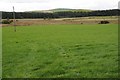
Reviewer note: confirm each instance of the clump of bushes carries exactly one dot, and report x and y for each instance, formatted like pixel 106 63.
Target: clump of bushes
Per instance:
pixel 7 21
pixel 104 22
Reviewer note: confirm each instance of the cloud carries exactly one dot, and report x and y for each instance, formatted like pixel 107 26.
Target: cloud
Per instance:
pixel 85 4
pixel 28 5
pixel 25 1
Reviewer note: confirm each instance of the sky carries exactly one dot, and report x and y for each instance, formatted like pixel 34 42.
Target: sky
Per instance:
pixel 31 5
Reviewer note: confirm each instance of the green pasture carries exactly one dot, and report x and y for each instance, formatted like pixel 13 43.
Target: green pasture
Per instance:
pixel 60 51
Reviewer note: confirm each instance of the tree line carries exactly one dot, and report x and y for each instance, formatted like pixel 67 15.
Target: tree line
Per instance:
pixel 64 14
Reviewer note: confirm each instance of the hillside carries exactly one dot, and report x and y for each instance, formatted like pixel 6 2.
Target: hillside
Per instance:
pixel 67 9
pixel 62 10
pixel 59 14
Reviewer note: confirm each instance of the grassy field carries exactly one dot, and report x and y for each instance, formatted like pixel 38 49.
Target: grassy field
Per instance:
pixel 52 51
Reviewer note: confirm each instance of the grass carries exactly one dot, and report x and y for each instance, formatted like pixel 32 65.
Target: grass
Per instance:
pixel 61 51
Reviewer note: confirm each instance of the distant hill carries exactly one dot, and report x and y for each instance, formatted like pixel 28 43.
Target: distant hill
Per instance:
pixel 62 10
pixel 60 13
pixel 67 9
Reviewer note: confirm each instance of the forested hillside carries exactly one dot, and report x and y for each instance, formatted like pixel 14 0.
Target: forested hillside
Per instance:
pixel 60 14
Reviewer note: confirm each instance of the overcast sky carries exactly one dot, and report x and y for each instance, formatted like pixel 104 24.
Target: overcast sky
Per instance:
pixel 29 5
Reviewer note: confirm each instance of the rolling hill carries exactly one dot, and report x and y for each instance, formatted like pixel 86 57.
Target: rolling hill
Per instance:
pixel 62 10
